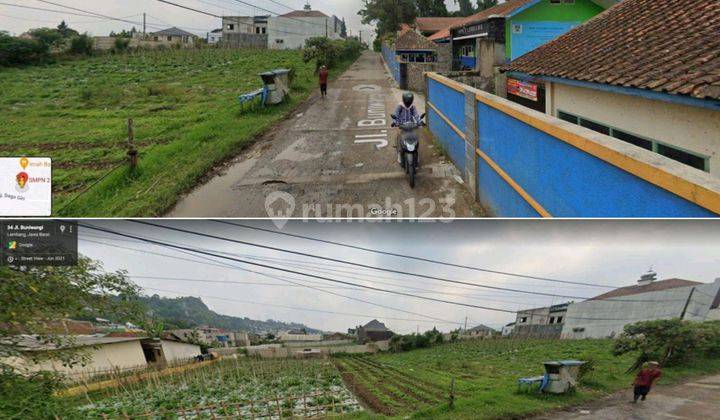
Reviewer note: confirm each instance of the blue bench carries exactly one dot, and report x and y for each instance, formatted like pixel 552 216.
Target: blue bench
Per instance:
pixel 250 96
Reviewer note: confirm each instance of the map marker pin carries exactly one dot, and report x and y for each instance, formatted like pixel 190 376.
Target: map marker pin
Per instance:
pixel 24 162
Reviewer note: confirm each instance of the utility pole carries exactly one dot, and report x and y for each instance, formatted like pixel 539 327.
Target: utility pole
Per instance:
pixel 361 37
pixel 465 323
pixel 144 24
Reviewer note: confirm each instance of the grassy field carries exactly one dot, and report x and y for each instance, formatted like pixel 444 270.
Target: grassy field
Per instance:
pixel 226 389
pixel 186 114
pixel 418 382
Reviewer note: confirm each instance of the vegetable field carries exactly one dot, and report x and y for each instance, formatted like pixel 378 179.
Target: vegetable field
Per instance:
pixel 186 118
pixel 232 387
pixel 485 374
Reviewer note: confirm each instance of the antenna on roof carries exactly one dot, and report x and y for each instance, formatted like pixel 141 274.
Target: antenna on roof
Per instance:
pixel 647 278
pixel 307 6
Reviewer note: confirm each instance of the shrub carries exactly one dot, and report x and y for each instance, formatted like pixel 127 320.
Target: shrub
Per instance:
pixel 29 397
pixel 121 44
pixel 17 51
pixel 670 341
pixel 81 45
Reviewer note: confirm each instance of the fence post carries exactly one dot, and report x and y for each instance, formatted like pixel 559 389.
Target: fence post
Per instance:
pixel 132 151
pixel 452 393
pixel 471 142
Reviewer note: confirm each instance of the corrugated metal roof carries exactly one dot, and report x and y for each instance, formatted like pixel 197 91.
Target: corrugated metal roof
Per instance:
pixel 173 32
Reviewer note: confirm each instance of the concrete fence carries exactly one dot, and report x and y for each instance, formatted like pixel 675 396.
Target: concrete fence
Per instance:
pixel 105 43
pixel 522 163
pixel 278 351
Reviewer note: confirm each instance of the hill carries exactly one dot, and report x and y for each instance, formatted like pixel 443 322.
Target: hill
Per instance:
pixel 188 312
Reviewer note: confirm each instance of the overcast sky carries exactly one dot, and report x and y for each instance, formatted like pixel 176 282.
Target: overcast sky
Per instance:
pixel 601 253
pixel 17 20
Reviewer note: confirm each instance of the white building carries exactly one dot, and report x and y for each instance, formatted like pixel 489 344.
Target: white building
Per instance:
pixel 297 335
pixel 606 315
pixel 291 30
pixel 215 36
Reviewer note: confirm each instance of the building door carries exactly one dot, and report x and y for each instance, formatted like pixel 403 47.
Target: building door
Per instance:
pixel 403 76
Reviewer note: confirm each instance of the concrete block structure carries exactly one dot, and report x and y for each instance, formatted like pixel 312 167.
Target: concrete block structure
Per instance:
pixel 606 315
pixel 292 30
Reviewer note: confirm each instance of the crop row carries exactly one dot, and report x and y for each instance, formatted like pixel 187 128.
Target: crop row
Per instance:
pixel 386 389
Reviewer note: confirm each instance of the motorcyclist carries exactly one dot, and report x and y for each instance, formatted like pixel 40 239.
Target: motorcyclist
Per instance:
pixel 405 112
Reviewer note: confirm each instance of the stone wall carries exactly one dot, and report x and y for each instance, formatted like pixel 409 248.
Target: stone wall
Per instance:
pixel 416 75
pixel 242 40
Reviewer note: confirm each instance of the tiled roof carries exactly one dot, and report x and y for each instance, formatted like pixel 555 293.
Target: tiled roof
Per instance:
pixel 501 10
pixel 434 24
pixel 408 39
pixel 670 46
pixel 304 13
pixel 655 286
pixel 375 325
pixel 173 32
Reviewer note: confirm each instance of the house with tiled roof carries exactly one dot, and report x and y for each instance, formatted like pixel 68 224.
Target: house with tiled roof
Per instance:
pixel 607 314
pixel 429 26
pixel 510 29
pixel 174 36
pixel 646 72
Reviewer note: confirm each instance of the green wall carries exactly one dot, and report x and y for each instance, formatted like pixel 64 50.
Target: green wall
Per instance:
pixel 581 11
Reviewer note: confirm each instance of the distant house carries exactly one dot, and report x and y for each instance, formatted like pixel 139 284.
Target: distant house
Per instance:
pixel 104 354
pixel 291 30
pixel 215 36
pixel 174 36
pixel 480 331
pixel 337 336
pixel 607 314
pixel 373 331
pixel 545 322
pixel 428 26
pixel 657 90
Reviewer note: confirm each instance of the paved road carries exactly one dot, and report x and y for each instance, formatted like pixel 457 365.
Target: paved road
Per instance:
pixel 334 157
pixel 699 399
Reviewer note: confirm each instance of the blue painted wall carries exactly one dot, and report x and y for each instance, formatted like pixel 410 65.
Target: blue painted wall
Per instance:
pixel 566 181
pixel 452 105
pixel 563 179
pixel 393 65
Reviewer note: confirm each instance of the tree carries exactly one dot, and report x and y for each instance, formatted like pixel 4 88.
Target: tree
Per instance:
pixel 81 45
pixel 485 4
pixel 431 8
pixel 466 8
pixel 32 299
pixel 387 15
pixel 343 29
pixel 65 31
pixel 48 37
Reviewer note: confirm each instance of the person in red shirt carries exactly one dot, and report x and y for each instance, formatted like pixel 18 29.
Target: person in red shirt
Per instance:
pixel 645 380
pixel 323 80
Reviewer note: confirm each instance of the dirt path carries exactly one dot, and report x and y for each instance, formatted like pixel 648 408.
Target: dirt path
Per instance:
pixel 698 399
pixel 334 157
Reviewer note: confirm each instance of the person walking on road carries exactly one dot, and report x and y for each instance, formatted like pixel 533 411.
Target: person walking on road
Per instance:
pixel 645 380
pixel 323 75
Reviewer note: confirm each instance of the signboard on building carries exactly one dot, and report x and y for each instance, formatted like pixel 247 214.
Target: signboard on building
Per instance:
pixel 522 89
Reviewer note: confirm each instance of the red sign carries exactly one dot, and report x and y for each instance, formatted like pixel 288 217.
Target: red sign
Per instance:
pixel 522 89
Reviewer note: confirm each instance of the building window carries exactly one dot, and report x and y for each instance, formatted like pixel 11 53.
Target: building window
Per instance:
pixel 523 319
pixel 169 38
pixel 279 41
pixel 264 30
pixel 682 156
pixel 552 319
pixel 559 320
pixel 231 27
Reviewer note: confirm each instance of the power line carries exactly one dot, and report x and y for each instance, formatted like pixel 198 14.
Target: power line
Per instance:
pixel 390 270
pixel 301 273
pixel 305 309
pixel 393 254
pixel 485 270
pixel 219 256
pixel 417 290
pixel 280 278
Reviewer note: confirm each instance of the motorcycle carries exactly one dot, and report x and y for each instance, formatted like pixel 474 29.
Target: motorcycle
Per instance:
pixel 409 146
